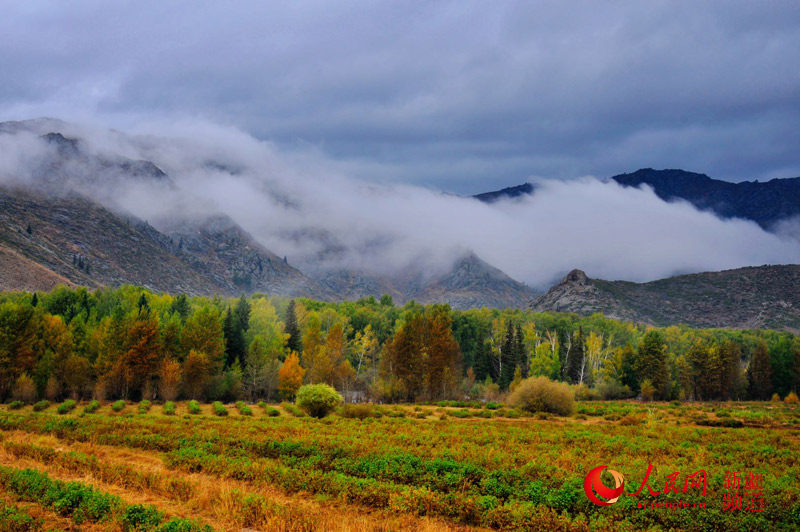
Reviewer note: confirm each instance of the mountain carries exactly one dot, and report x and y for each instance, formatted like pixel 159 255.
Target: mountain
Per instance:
pixel 61 223
pixel 524 189
pixel 764 203
pixel 47 240
pixel 754 297
pixel 470 282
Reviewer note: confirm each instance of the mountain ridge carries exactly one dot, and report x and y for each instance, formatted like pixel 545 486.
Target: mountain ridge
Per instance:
pixel 752 297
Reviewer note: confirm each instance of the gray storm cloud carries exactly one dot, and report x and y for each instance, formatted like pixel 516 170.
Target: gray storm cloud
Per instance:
pixel 458 95
pixel 306 207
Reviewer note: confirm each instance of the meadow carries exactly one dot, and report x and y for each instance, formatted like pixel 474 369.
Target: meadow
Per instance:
pixel 442 466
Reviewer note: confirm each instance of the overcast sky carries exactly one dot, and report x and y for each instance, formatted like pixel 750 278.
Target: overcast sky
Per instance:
pixel 459 96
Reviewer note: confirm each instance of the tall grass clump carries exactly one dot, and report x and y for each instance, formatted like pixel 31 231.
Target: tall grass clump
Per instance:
pixel 194 407
pixel 219 409
pixel 92 407
pixel 118 406
pixel 41 405
pixel 169 408
pixel 67 406
pixel 144 406
pixel 540 394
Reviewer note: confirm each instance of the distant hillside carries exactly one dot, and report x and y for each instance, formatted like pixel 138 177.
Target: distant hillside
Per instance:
pixel 764 203
pixel 756 297
pixel 46 240
pixel 60 223
pixel 508 192
pixel 470 283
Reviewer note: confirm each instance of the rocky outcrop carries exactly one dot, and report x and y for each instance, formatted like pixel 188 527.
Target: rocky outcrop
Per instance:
pixel 755 297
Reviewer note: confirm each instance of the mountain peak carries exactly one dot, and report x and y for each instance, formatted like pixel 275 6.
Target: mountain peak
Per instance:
pixel 576 277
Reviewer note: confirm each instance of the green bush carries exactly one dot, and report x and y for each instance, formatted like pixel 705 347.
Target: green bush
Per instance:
pixel 271 411
pixel 246 411
pixel 144 406
pixel 67 406
pixel 540 394
pixel 92 407
pixel 118 406
pixel 140 517
pixel 318 400
pixel 194 407
pixel 44 404
pixel 16 405
pixel 261 404
pixel 610 389
pixel 13 519
pixel 293 410
pixel 179 524
pixel 219 409
pixel 169 408
pixel 357 411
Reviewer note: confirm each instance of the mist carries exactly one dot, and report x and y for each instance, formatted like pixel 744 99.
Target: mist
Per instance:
pixel 302 205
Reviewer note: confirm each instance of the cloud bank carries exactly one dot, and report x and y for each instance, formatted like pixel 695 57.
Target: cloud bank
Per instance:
pixel 456 95
pixel 304 206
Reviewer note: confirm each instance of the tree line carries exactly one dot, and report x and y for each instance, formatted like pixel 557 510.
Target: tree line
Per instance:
pixel 134 344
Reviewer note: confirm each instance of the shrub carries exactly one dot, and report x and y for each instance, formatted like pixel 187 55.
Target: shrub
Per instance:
pixel 219 409
pixel 13 519
pixel 16 405
pixel 118 406
pixel 584 393
pixel 612 389
pixel 140 517
pixel 293 410
pixel 776 398
pixel 791 398
pixel 540 394
pixel 318 400
pixel 261 404
pixel 271 411
pixel 66 407
pixel 169 408
pixel 648 390
pixel 194 407
pixel 179 524
pixel 41 405
pixel 144 406
pixel 357 411
pixel 92 407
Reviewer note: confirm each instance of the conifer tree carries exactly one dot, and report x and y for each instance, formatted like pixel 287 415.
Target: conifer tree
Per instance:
pixel 759 374
pixel 292 329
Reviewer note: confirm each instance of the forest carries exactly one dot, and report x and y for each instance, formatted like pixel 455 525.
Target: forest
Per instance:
pixel 131 343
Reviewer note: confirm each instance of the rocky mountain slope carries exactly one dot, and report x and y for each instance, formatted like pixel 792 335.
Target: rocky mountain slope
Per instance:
pixel 470 283
pixel 74 240
pixel 60 223
pixel 755 297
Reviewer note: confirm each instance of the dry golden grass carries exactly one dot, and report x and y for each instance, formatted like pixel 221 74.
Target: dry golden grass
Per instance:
pixel 219 502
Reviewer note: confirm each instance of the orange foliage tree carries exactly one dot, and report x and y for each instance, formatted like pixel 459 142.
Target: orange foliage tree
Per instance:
pixel 290 376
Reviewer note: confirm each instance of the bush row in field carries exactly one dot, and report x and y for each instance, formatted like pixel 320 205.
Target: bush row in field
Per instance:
pixel 13 519
pixel 82 503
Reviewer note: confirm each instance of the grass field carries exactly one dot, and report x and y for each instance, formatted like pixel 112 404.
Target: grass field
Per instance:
pixel 412 467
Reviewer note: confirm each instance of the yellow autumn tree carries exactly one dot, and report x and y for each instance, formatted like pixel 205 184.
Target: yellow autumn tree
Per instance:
pixel 290 376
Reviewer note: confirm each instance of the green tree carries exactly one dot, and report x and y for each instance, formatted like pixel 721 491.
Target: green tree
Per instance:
pixel 651 363
pixel 759 373
pixel 293 329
